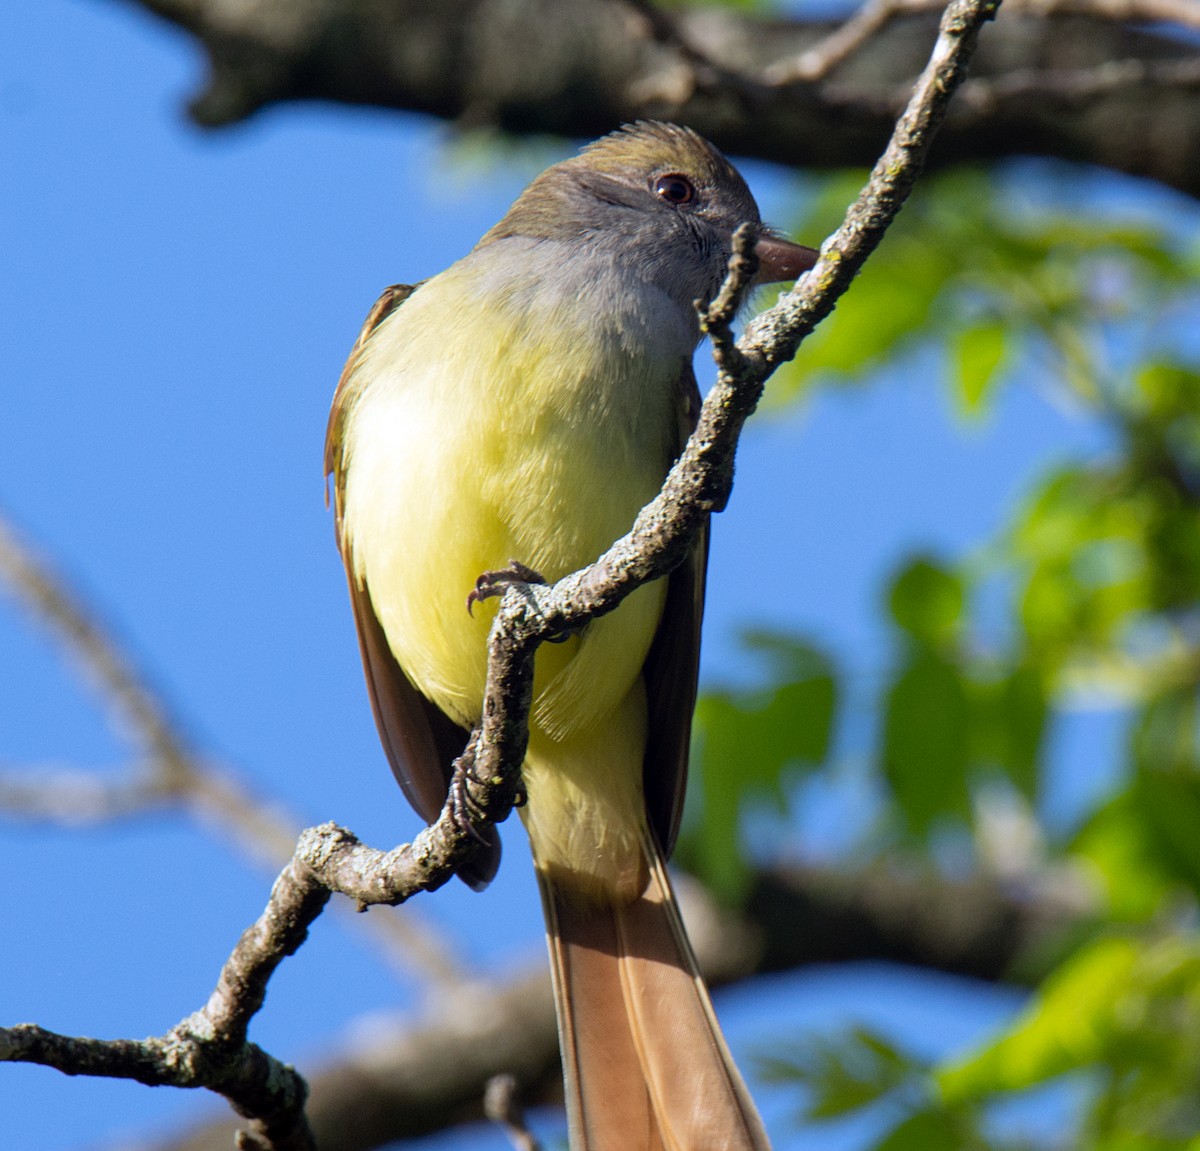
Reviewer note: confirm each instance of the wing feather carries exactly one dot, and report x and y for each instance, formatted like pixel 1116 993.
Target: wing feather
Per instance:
pixel 672 668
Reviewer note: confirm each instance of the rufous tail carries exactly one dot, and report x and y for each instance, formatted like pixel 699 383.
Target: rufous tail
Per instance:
pixel 646 1066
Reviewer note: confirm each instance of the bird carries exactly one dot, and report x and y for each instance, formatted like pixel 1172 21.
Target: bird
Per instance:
pixel 525 404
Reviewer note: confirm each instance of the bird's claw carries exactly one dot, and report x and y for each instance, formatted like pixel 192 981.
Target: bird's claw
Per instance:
pixel 494 583
pixel 464 809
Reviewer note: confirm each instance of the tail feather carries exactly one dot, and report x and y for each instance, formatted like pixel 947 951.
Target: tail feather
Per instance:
pixel 646 1066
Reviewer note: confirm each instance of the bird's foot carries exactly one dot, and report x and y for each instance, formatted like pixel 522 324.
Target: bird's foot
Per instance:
pixel 465 810
pixel 495 583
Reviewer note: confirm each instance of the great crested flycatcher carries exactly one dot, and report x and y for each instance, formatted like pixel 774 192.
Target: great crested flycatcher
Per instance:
pixel 526 403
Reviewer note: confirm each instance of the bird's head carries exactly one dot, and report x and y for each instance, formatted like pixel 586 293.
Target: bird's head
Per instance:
pixel 660 197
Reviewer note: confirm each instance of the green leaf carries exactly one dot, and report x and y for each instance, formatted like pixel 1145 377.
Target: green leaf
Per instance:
pixel 1166 790
pixel 1170 804
pixel 1068 1025
pixel 1128 1011
pixel 1119 845
pixel 713 848
pixel 843 1073
pixel 768 730
pixel 977 353
pixel 1023 705
pixel 926 600
pixel 888 309
pixel 750 744
pixel 799 710
pixel 934 1129
pixel 1168 390
pixel 968 270
pixel 925 740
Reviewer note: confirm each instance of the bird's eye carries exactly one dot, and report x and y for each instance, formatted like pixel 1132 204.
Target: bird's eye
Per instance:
pixel 675 189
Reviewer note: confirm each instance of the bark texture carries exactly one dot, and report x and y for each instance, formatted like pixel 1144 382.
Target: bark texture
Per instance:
pixel 1078 80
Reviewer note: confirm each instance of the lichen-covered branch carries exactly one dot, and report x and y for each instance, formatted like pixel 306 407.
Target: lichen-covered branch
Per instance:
pixel 210 1048
pixel 259 1087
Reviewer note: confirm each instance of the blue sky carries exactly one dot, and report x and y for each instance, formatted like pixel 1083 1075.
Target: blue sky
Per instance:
pixel 177 309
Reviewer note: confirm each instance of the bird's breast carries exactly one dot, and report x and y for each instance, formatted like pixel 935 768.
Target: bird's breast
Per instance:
pixel 495 424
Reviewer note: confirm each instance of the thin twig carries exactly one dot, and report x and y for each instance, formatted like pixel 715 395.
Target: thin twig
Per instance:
pixel 817 62
pixel 1081 84
pixel 703 73
pixel 775 335
pixel 88 643
pixel 501 1106
pixel 75 797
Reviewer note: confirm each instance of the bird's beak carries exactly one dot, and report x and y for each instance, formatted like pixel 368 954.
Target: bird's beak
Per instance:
pixel 780 259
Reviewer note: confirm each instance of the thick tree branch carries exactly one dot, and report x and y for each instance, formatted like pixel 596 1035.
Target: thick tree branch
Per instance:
pixel 409 1079
pixel 803 93
pixel 979 928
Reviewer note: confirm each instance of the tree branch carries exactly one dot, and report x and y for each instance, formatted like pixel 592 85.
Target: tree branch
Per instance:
pixel 817 61
pixel 799 92
pixel 255 1084
pixel 868 21
pixel 210 1047
pixel 409 1079
pixel 502 1107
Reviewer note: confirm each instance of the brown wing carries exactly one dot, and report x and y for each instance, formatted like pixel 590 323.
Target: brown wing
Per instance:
pixel 420 741
pixel 673 666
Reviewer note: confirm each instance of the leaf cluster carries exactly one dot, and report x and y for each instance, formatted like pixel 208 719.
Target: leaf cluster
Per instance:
pixel 1097 574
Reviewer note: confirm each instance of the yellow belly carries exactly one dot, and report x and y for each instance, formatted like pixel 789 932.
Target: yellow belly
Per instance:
pixel 516 450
